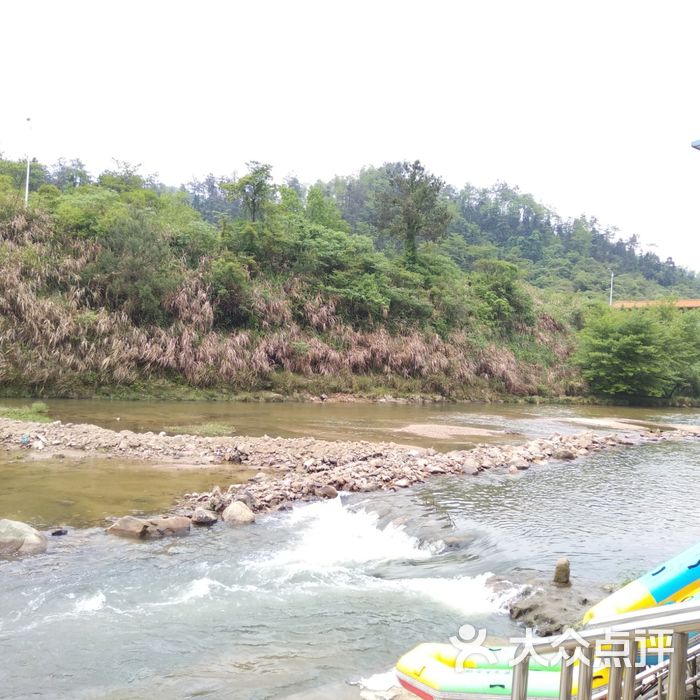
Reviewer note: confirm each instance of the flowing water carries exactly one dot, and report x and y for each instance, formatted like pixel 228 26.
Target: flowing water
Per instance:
pixel 307 602
pixel 347 421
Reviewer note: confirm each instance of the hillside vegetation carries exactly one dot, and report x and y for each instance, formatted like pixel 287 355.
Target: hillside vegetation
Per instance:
pixel 386 281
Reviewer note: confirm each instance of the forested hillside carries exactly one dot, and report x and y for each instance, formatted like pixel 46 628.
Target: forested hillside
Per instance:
pixel 385 281
pixel 496 223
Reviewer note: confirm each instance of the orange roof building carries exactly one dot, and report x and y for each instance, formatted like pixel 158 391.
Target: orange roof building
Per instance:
pixel 679 303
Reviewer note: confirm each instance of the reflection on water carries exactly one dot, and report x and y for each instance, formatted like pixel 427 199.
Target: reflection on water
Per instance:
pixel 83 492
pixel 349 421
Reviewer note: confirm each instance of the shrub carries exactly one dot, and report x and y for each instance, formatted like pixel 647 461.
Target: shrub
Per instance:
pixel 639 353
pixel 134 270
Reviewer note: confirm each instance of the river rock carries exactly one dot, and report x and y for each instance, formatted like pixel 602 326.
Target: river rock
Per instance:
pixel 139 528
pixel 326 491
pixel 17 538
pixel 203 516
pixel 238 513
pixel 128 526
pixel 170 525
pixel 470 467
pixel 550 609
pixel 295 468
pixel 247 498
pixel 435 469
pixel 562 572
pixel 453 542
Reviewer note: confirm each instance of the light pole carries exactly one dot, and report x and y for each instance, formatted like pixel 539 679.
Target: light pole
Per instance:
pixel 26 184
pixel 612 277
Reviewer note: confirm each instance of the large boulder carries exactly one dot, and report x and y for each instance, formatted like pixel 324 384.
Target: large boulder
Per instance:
pixel 140 528
pixel 238 513
pixel 18 538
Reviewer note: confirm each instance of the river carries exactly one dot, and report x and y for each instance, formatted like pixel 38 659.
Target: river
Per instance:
pixel 305 603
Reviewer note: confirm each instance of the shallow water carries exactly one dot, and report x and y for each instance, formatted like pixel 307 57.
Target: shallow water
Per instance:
pixel 378 422
pixel 304 603
pixel 84 492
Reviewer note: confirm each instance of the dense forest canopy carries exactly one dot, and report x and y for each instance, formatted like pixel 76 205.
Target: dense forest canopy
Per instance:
pixel 237 280
pixel 470 224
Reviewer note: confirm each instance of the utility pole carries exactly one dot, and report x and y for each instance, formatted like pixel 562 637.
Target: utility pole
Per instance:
pixel 612 277
pixel 26 184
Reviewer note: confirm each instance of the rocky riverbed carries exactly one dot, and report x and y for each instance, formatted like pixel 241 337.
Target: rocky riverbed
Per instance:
pixel 288 470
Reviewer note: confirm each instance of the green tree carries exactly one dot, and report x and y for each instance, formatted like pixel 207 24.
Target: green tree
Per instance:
pixel 210 199
pixel 189 236
pixel 504 301
pixel 322 210
pixel 16 170
pixel 135 269
pixel 254 191
pixel 85 211
pixel 123 178
pixel 638 353
pixel 411 207
pixel 68 174
pixel 290 201
pixel 231 290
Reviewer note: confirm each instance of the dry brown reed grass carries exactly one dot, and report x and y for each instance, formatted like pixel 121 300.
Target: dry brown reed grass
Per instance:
pixel 51 334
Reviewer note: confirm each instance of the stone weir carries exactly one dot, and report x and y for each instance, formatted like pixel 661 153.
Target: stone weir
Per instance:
pixel 304 469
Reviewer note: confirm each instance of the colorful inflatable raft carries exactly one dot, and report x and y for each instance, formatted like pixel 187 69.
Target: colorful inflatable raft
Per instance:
pixel 431 672
pixel 436 672
pixel 674 581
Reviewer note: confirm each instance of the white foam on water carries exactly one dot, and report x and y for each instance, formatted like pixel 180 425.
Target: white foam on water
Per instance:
pixel 202 588
pixel 381 684
pixel 334 537
pixel 340 548
pixel 194 590
pixel 92 603
pixel 199 588
pixel 466 594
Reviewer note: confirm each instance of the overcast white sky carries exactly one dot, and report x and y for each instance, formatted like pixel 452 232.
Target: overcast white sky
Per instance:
pixel 591 106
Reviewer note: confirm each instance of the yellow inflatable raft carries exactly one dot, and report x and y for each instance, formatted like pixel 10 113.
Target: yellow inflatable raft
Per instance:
pixel 436 672
pixel 433 672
